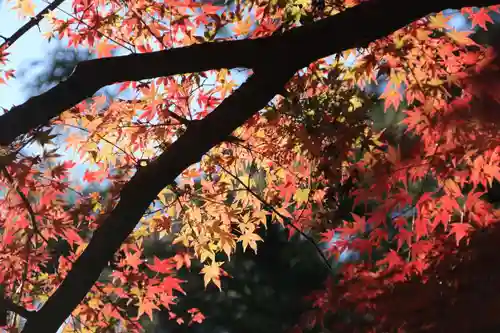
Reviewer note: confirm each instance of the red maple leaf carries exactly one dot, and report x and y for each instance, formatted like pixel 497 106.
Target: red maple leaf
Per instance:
pixel 170 283
pixel 95 176
pixel 196 316
pixel 392 259
pixel 287 189
pixel 72 236
pixel 460 230
pixel 480 18
pixel 161 266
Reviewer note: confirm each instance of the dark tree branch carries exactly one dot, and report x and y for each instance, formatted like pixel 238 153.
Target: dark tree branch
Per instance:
pixel 7 304
pixel 355 27
pixel 30 24
pixel 143 188
pixel 89 76
pixel 274 59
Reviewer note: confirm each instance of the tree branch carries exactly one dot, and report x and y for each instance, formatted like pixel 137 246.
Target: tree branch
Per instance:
pixel 89 76
pixel 143 188
pixel 8 305
pixel 272 70
pixel 30 24
pixel 367 22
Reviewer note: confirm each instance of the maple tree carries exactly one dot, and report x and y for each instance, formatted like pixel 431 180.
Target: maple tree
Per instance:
pixel 190 154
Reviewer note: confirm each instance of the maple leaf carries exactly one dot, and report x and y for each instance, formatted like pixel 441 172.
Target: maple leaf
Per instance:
pixel 167 300
pixel 421 228
pixel 439 21
pixel 196 316
pixel 393 155
pixel 480 18
pixel 327 236
pixel 461 37
pixel 95 176
pixel 182 259
pixel 170 283
pixel 301 195
pixel 72 237
pixel 287 188
pixel 392 259
pixel 460 230
pixel 452 188
pixel 161 266
pixel 26 7
pixel 8 237
pixel 211 273
pixel 359 222
pixel 133 260
pixel 109 311
pixel 242 28
pixel 392 97
pixel 210 9
pixel 146 306
pixel 250 239
pixel 104 49
pixel 492 171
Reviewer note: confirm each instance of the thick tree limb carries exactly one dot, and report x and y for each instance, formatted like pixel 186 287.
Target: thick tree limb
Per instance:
pixel 90 76
pixel 278 58
pixel 7 304
pixel 353 28
pixel 143 189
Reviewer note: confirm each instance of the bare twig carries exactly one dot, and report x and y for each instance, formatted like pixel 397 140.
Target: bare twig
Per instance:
pixel 30 24
pixel 285 219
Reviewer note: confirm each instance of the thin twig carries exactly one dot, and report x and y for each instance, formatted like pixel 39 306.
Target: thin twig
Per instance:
pixel 30 24
pixel 130 47
pixel 25 200
pixel 286 221
pixel 102 138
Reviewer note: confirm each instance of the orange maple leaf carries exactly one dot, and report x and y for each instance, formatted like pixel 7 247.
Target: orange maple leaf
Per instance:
pixel 133 260
pixel 242 28
pixel 146 306
pixel 104 49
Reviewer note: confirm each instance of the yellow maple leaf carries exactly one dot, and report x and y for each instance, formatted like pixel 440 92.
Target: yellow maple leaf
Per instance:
pixel 243 27
pixel 439 21
pixel 94 303
pixel 301 195
pixel 226 242
pixel 205 253
pixel 211 273
pixel 249 239
pixel 461 37
pixel 26 7
pixel 50 16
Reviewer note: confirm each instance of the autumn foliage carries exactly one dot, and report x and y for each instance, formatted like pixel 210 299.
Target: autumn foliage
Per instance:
pixel 190 153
